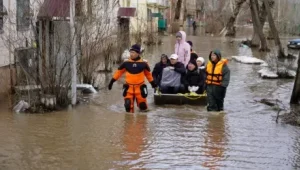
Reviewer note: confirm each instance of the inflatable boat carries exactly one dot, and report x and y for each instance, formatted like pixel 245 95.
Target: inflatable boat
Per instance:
pixel 180 99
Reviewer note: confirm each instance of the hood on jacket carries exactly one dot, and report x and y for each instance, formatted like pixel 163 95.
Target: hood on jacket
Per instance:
pixel 194 63
pixel 164 56
pixel 191 43
pixel 217 52
pixel 183 36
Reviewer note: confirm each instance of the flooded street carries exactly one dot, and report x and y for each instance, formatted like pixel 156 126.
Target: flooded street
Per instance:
pixel 100 135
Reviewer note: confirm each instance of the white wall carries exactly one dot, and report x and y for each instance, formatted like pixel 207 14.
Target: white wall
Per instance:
pixel 10 34
pixel 139 23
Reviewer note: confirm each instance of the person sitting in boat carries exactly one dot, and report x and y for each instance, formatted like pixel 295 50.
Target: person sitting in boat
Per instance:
pixel 217 81
pixel 201 63
pixel 194 55
pixel 201 68
pixel 194 82
pixel 158 68
pixel 172 76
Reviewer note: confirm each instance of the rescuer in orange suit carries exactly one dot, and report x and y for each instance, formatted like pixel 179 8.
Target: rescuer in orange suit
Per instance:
pixel 135 69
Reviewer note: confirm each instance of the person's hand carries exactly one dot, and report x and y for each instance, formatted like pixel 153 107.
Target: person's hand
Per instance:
pixel 190 88
pixel 196 88
pixel 111 84
pixel 153 84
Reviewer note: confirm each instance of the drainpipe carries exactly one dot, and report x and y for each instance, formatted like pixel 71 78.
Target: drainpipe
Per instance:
pixel 73 53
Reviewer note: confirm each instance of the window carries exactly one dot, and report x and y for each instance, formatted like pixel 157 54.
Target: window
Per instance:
pixel 128 3
pixel 23 15
pixel 149 14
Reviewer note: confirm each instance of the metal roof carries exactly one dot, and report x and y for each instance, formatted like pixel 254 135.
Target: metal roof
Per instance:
pixel 126 12
pixel 54 8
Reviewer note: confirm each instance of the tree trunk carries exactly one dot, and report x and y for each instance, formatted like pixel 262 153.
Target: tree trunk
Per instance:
pixel 296 90
pixel 262 17
pixel 177 10
pixel 230 28
pixel 257 25
pixel 274 29
pixel 182 14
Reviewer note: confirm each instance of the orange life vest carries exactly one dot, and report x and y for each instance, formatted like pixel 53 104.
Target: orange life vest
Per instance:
pixel 214 72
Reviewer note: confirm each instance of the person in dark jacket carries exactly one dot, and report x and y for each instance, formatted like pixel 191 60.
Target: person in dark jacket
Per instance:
pixel 173 76
pixel 194 55
pixel 217 81
pixel 158 68
pixel 193 80
pixel 201 67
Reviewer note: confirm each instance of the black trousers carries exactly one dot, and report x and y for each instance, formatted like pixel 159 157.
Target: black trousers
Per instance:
pixel 215 97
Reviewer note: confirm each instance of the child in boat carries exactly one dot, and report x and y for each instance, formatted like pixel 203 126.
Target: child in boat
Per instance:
pixel 200 63
pixel 172 76
pixel 193 81
pixel 158 68
pixel 201 68
pixel 194 55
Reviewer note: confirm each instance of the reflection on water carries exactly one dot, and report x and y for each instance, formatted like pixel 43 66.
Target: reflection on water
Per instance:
pixel 134 137
pixel 215 141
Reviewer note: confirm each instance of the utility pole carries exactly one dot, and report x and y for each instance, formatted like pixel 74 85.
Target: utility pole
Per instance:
pixel 73 53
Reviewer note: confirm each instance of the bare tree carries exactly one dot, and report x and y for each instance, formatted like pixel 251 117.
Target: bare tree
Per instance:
pixel 273 28
pixel 178 10
pixel 230 28
pixel 216 15
pixel 43 49
pixel 255 41
pixel 182 13
pixel 96 31
pixel 257 26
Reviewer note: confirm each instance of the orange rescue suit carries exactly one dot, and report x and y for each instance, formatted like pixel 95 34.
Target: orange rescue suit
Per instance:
pixel 135 88
pixel 214 72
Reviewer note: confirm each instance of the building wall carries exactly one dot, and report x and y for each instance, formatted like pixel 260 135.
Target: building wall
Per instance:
pixel 191 7
pixel 139 23
pixel 142 21
pixel 10 35
pixel 5 82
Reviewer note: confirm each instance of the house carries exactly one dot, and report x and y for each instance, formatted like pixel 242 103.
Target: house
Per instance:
pixel 96 28
pixel 40 41
pixel 15 18
pixel 157 10
pixel 146 17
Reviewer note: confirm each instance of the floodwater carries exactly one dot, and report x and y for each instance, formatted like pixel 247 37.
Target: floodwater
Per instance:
pixel 99 135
